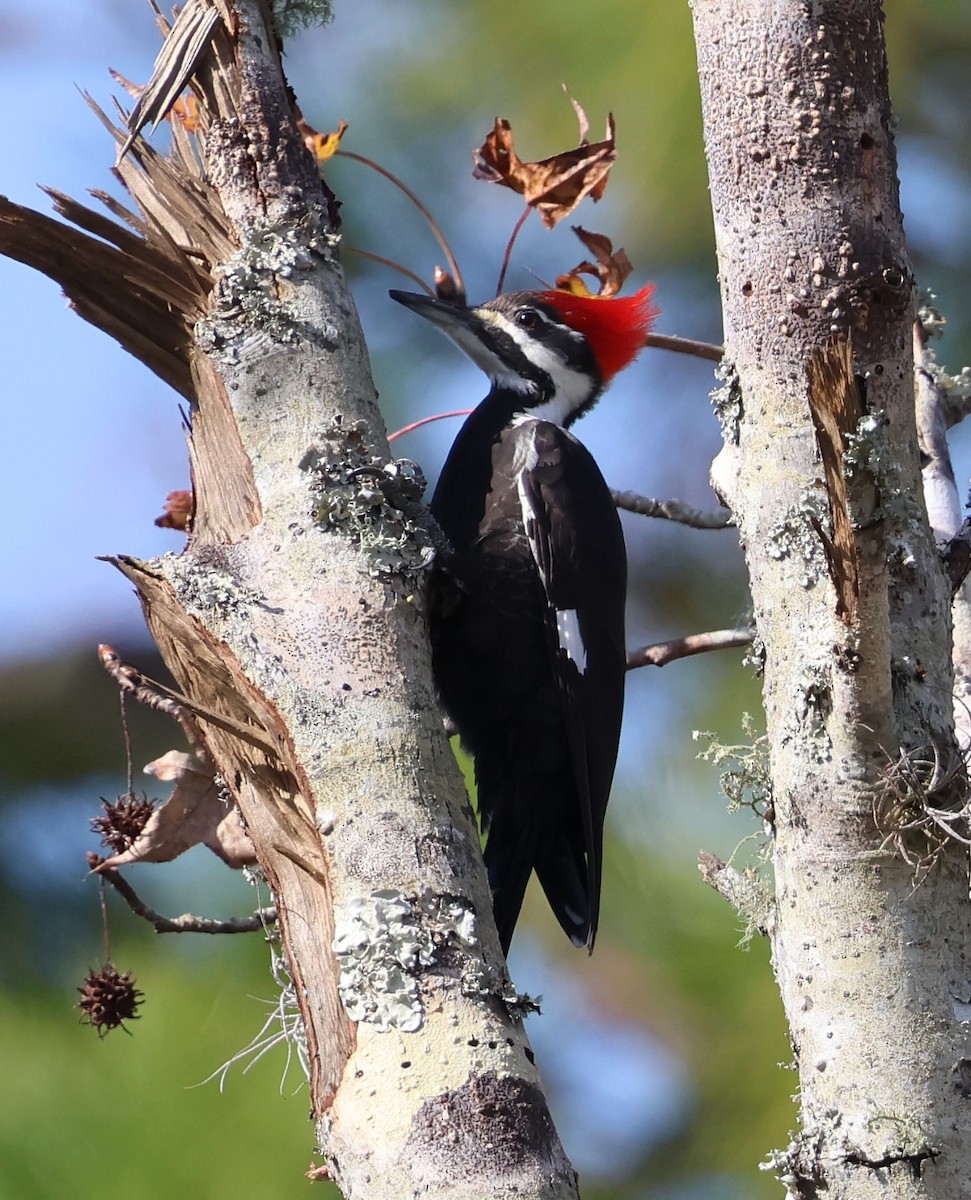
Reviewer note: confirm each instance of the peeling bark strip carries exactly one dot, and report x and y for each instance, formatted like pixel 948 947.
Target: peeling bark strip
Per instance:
pixel 292 625
pixel 836 404
pixel 875 972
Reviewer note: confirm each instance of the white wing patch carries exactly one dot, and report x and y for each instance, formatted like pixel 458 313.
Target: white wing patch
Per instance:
pixel 568 632
pixel 567 622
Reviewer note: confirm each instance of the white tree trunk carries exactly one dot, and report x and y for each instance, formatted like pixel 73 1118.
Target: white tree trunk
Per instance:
pixel 851 603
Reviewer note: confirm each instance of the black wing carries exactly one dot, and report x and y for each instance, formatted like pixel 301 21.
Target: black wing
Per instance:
pixel 575 538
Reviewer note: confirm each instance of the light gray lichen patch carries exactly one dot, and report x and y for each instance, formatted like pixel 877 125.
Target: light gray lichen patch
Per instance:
pixel 956 388
pixel 206 583
pixel 383 943
pixel 373 500
pixel 754 657
pixel 449 918
pixel 796 536
pixel 746 775
pixel 930 317
pixel 726 400
pixel 454 928
pixel 813 703
pixel 869 451
pixel 381 947
pixel 866 449
pixel 247 292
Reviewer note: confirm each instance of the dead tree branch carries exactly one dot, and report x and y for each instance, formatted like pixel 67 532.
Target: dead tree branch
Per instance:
pixel 659 654
pixel 672 510
pixel 262 918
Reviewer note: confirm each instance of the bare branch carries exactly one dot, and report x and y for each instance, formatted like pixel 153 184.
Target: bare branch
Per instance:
pixel 395 266
pixel 187 923
pixel 659 654
pixel 672 510
pixel 429 219
pixel 940 490
pixel 147 692
pixel 933 410
pixel 509 245
pixel 743 890
pixel 666 341
pixel 181 708
pixel 459 412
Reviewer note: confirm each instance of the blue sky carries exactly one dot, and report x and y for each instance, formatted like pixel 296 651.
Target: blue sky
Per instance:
pixel 92 438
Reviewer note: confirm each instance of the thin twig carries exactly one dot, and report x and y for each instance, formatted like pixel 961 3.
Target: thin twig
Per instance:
pixel 672 510
pixel 665 341
pixel 509 245
pixel 395 266
pixel 156 695
pixel 126 734
pixel 187 923
pixel 105 927
pixel 661 653
pixel 743 891
pixel 459 412
pixel 432 223
pixel 146 691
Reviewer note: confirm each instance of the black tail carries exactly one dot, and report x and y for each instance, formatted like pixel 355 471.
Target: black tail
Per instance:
pixel 562 871
pixel 527 813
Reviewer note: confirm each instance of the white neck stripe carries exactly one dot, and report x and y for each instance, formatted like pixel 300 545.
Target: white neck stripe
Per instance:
pixel 571 389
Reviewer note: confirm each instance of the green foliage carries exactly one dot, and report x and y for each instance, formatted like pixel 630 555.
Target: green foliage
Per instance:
pixel 59 719
pixel 294 15
pixel 123 1116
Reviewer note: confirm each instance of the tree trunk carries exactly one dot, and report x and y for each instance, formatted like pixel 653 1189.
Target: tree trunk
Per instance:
pixel 820 466
pixel 293 621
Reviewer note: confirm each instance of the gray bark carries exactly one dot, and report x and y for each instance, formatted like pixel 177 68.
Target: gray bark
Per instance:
pixel 870 925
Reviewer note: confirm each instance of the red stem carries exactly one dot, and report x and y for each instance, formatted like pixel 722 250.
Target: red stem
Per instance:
pixel 395 266
pixel 509 245
pixel 459 412
pixel 432 223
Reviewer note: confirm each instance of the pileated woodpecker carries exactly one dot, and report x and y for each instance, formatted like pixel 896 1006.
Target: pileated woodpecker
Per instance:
pixel 527 613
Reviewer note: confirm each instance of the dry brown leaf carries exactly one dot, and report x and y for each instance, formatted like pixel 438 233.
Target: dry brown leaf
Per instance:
pixel 555 185
pixel 321 145
pixel 187 112
pixel 177 513
pixel 198 812
pixel 611 268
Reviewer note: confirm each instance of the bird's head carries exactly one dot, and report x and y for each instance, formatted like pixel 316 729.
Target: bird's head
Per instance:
pixel 556 350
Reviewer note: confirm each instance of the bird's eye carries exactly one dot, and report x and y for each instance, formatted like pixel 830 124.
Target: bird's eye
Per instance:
pixel 527 318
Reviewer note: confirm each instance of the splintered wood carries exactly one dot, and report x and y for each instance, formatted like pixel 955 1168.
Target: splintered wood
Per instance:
pixel 836 404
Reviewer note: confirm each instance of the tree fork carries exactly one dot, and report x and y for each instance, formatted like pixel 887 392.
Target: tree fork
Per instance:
pixel 820 468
